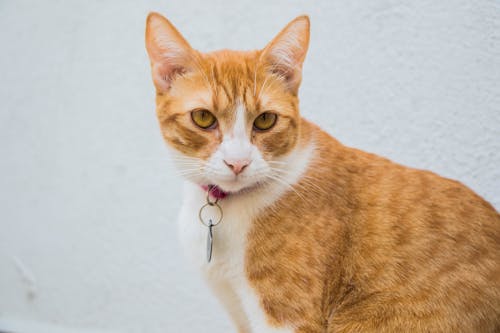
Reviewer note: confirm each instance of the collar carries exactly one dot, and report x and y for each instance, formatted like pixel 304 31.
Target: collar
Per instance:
pixel 215 191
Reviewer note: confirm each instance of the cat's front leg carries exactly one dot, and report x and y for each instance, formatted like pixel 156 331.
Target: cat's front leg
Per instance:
pixel 232 303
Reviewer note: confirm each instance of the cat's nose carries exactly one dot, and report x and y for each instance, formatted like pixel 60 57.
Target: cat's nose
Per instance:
pixel 237 166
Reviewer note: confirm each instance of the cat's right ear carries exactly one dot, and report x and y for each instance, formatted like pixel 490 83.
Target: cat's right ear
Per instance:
pixel 169 52
pixel 285 54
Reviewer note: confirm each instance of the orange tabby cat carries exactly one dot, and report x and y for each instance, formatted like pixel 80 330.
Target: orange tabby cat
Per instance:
pixel 315 236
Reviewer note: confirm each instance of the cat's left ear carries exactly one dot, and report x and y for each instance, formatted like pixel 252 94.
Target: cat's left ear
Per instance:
pixel 170 54
pixel 285 54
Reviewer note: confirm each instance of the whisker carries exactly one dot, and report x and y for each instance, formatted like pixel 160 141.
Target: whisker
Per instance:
pixel 278 179
pixel 278 162
pixel 306 180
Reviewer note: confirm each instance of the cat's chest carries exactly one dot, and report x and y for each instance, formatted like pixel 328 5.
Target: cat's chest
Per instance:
pixel 230 239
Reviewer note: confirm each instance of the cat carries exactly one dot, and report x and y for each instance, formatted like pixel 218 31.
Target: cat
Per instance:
pixel 315 236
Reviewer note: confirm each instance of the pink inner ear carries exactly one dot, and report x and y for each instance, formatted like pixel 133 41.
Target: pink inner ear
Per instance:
pixel 164 74
pixel 290 75
pixel 283 71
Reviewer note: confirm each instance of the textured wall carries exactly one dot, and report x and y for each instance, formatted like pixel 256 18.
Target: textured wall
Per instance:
pixel 87 195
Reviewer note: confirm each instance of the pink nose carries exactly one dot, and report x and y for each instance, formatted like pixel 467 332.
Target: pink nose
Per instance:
pixel 237 166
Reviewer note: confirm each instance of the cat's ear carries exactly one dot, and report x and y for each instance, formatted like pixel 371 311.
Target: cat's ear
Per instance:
pixel 285 54
pixel 169 52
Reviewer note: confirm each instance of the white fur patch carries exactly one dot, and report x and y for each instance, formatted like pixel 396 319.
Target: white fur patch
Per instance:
pixel 226 272
pixel 235 146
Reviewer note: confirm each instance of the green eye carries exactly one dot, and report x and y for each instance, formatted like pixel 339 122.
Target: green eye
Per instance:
pixel 265 121
pixel 203 118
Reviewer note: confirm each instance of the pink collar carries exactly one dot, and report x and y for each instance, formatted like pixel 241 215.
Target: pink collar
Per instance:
pixel 215 191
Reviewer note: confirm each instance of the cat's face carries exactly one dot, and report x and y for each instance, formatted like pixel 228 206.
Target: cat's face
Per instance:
pixel 231 117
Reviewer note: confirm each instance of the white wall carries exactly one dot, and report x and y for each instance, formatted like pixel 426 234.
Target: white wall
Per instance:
pixel 88 198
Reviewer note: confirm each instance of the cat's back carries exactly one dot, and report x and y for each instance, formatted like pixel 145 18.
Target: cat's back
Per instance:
pixel 424 250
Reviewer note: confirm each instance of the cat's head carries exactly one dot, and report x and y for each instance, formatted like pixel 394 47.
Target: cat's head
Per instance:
pixel 231 117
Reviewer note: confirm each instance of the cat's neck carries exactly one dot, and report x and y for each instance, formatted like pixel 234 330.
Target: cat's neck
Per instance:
pixel 330 171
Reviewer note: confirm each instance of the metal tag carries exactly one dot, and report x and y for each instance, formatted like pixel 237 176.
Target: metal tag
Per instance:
pixel 210 241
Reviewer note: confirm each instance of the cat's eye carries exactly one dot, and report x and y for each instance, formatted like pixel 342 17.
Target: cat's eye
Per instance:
pixel 203 119
pixel 265 121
